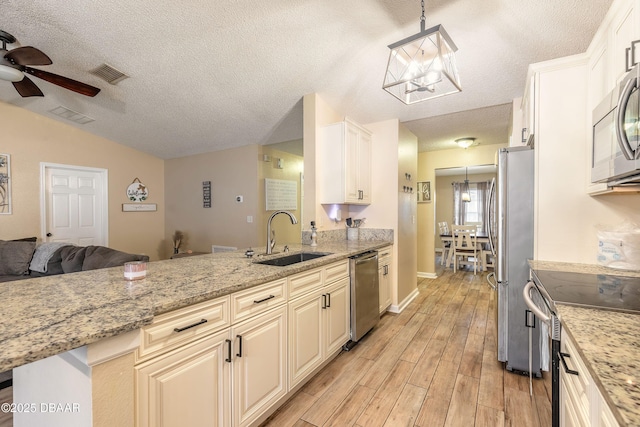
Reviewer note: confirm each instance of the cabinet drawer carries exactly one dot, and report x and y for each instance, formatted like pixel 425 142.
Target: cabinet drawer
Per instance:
pixel 336 271
pixel 187 324
pixel 257 299
pixel 384 256
pixel 305 282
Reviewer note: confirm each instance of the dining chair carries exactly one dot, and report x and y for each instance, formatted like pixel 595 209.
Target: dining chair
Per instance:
pixel 446 246
pixel 465 245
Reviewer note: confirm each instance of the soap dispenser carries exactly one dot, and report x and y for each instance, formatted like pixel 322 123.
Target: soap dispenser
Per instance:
pixel 314 235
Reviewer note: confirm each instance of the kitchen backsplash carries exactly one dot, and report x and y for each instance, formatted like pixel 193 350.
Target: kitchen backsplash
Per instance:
pixel 339 235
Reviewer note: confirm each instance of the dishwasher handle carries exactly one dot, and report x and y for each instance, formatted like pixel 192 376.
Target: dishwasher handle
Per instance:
pixel 365 257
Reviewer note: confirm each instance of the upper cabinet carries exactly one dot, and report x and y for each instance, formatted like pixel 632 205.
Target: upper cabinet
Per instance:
pixel 610 56
pixel 344 159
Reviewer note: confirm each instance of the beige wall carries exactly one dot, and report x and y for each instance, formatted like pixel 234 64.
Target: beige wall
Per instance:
pixel 286 233
pixel 407 212
pixel 384 187
pixel 31 138
pixel 444 189
pixel 428 162
pixel 232 173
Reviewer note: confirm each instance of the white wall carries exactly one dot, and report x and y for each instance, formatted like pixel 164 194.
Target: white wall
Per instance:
pixel 566 218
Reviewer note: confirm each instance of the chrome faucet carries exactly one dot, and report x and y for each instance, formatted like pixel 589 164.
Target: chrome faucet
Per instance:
pixel 271 235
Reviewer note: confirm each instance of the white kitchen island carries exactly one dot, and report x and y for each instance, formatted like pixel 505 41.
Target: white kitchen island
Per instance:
pixel 73 339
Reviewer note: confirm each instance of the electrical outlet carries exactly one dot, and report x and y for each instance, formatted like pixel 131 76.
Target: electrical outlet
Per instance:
pixel 249 219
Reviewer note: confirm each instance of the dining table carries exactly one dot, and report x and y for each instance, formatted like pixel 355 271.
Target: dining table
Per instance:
pixel 482 238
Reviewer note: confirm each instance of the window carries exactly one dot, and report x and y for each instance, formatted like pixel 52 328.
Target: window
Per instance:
pixel 473 211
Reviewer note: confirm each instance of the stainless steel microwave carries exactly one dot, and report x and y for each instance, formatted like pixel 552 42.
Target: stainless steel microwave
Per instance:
pixel 616 133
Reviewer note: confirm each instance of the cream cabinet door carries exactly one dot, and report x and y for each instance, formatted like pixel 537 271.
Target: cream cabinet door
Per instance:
pixel 352 192
pixel 259 364
pixel 364 167
pixel 190 386
pixel 384 278
pixel 305 336
pixel 336 309
pixel 344 160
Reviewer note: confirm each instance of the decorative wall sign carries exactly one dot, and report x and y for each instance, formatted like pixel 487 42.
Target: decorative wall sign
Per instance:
pixel 424 192
pixel 5 184
pixel 206 194
pixel 280 194
pixel 139 207
pixel 137 191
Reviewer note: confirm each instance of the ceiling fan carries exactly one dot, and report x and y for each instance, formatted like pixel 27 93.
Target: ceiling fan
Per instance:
pixel 16 62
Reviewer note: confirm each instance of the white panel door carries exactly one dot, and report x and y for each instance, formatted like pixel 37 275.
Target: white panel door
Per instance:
pixel 75 208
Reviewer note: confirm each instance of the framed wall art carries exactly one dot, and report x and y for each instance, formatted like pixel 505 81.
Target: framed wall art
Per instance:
pixel 5 184
pixel 424 192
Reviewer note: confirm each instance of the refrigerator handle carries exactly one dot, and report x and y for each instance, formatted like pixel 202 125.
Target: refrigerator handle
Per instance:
pixel 492 195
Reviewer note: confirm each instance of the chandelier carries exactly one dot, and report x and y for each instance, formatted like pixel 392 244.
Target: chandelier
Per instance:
pixel 422 66
pixel 466 195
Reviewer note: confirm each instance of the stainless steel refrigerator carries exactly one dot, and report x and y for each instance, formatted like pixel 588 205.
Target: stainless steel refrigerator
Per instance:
pixel 518 334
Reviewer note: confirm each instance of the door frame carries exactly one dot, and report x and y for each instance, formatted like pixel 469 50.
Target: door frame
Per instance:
pixel 104 176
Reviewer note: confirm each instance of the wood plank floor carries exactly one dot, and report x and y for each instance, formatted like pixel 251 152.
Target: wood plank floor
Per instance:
pixel 434 364
pixel 6 396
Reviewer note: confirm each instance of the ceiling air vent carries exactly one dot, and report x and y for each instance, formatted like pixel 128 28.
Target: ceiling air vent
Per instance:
pixel 109 74
pixel 74 116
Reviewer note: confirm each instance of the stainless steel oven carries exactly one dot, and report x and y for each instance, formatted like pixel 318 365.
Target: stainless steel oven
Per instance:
pixel 547 289
pixel 541 304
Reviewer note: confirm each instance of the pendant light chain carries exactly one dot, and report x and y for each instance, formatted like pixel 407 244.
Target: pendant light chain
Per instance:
pixel 422 18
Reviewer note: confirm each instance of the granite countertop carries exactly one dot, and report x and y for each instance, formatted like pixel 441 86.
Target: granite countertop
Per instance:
pixel 45 316
pixel 608 342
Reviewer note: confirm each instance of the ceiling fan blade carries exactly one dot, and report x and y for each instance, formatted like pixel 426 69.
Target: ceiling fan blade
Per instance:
pixel 27 55
pixel 64 82
pixel 26 88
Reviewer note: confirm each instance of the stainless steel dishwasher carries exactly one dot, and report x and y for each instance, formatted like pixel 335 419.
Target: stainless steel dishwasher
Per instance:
pixel 365 307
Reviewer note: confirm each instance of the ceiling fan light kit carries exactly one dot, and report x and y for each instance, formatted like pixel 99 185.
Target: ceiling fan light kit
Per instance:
pixel 422 66
pixel 16 62
pixel 10 74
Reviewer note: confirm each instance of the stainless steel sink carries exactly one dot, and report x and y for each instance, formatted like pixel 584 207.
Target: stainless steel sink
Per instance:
pixel 293 258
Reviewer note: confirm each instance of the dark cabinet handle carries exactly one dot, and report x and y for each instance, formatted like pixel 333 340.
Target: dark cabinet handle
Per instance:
pixel 239 353
pixel 190 326
pixel 264 299
pixel 49 234
pixel 564 362
pixel 228 359
pixel 329 299
pixel 324 301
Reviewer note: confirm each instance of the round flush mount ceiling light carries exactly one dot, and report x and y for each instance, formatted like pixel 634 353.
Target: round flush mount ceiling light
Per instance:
pixel 465 142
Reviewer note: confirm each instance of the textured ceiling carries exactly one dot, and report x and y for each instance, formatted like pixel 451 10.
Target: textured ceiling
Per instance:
pixel 210 75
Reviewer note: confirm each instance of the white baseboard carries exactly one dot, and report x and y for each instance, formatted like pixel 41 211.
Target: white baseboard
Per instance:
pixel 423 275
pixel 398 308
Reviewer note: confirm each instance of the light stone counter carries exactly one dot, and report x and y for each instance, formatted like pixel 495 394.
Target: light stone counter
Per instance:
pixel 609 344
pixel 46 316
